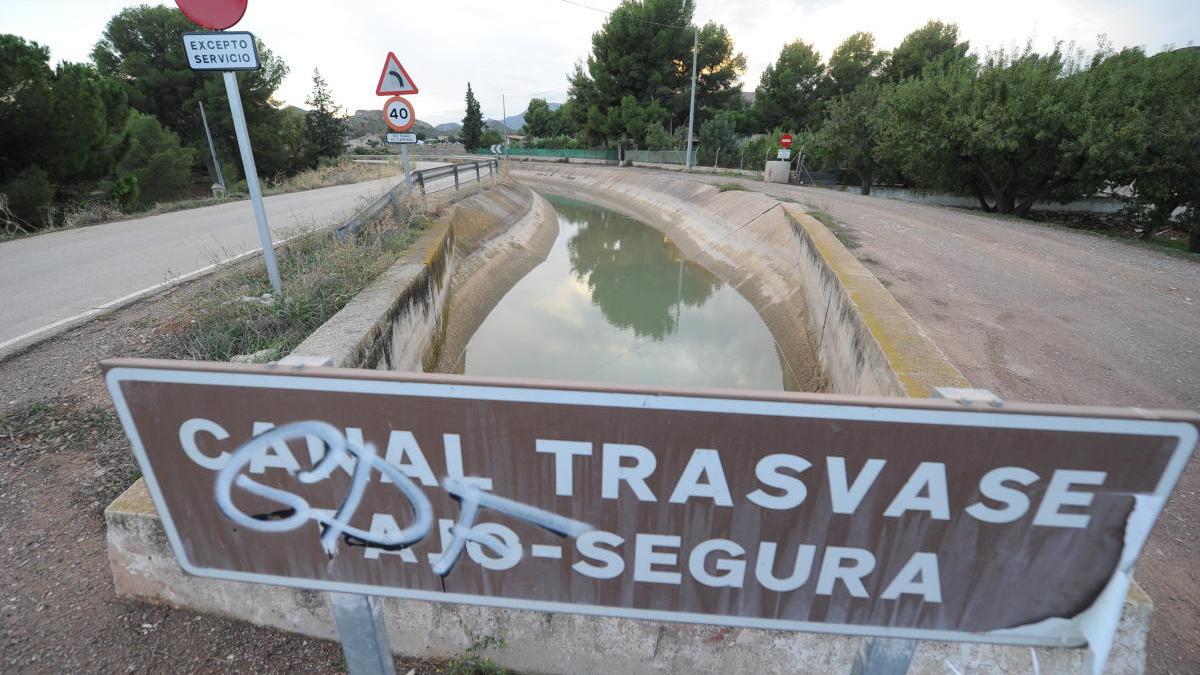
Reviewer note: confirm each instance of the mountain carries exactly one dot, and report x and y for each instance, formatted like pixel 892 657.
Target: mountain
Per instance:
pixel 448 128
pixel 515 122
pixel 370 122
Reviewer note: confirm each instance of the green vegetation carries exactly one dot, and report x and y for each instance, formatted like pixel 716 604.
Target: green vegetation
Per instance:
pixel 123 132
pixel 474 662
pixel 73 425
pixel 324 128
pixel 728 187
pixel 472 124
pixel 238 316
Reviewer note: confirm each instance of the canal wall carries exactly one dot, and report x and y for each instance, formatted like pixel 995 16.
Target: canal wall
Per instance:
pixel 740 236
pixel 840 327
pixel 396 321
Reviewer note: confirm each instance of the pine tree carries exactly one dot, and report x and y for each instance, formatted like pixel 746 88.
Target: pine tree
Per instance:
pixel 472 127
pixel 324 129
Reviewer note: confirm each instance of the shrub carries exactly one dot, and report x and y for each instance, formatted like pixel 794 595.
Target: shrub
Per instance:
pixel 156 159
pixel 124 192
pixel 27 195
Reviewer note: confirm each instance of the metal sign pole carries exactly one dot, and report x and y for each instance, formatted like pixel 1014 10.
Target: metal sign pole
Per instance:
pixel 260 214
pixel 364 634
pixel 212 149
pixel 404 161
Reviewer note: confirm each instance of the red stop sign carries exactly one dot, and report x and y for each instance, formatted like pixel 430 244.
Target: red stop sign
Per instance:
pixel 785 141
pixel 214 14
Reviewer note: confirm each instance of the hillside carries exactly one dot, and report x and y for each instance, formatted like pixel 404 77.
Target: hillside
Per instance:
pixel 370 122
pixel 515 122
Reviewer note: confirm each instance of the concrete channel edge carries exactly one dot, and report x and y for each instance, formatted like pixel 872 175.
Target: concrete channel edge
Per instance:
pixel 887 353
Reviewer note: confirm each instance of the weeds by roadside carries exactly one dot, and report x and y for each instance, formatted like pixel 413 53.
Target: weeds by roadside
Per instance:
pixel 82 214
pixel 727 187
pixel 474 662
pixel 836 226
pixel 79 430
pixel 239 317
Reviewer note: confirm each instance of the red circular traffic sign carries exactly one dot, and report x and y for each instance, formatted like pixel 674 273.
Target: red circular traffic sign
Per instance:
pixel 214 14
pixel 785 141
pixel 398 114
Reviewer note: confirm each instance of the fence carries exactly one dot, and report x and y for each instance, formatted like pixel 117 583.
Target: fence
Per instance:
pixel 610 155
pixel 660 156
pixel 461 172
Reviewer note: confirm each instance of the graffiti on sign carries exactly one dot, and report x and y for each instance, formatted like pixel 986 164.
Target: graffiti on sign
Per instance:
pixel 893 517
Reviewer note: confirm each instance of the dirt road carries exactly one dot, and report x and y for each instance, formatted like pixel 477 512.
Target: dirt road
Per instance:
pixel 1047 314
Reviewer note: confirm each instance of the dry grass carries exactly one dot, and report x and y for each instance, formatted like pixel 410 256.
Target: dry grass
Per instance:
pixel 344 172
pixel 82 214
pixel 238 316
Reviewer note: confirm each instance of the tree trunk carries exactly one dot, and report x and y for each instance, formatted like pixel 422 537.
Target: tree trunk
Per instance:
pixel 1194 240
pixel 867 182
pixel 1004 201
pixel 1158 217
pixel 1026 205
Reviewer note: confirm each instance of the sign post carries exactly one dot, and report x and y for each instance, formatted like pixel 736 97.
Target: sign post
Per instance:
pixel 892 518
pixel 398 113
pixel 227 52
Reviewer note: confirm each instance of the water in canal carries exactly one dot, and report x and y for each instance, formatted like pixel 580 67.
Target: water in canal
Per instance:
pixel 616 301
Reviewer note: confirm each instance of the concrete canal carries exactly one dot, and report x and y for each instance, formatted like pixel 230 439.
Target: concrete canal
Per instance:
pixel 616 301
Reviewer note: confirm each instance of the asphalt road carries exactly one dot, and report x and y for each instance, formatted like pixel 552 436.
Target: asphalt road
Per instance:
pixel 1052 315
pixel 53 277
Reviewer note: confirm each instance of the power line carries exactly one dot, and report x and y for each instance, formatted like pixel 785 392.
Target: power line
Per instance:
pixel 633 18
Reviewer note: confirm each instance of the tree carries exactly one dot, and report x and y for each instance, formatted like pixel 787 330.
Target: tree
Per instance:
pixel 324 128
pixel 854 62
pixel 68 121
pixel 720 132
pixel 850 135
pixel 539 119
pixel 1152 139
pixel 61 131
pixel 490 137
pixel 141 49
pixel 935 43
pixel 789 95
pixel 161 165
pixel 644 50
pixel 657 138
pixel 472 124
pixel 84 126
pixel 25 80
pixel 1012 130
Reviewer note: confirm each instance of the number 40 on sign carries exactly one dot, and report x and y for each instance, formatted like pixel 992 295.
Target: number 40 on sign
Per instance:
pixel 398 114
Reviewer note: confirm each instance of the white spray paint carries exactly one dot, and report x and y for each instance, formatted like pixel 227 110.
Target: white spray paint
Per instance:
pixel 364 459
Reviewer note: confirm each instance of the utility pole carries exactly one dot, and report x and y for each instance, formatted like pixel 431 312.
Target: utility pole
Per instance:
pixel 212 149
pixel 504 121
pixel 692 114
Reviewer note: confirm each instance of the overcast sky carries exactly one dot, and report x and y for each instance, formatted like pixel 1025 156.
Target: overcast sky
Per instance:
pixel 524 48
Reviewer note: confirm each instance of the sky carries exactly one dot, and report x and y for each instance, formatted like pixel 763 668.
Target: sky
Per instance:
pixel 513 50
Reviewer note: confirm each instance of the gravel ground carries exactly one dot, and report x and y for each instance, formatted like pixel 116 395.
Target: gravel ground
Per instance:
pixel 1034 313
pixel 62 458
pixel 1042 313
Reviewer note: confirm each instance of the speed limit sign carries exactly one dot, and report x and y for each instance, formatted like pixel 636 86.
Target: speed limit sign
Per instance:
pixel 398 114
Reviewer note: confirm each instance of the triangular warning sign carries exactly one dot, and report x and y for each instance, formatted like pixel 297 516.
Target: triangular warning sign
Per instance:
pixel 394 79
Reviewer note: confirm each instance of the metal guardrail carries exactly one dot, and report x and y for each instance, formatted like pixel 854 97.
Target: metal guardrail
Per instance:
pixel 353 226
pixel 422 176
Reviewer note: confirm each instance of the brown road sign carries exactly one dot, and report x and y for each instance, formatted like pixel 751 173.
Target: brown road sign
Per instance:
pixel 893 517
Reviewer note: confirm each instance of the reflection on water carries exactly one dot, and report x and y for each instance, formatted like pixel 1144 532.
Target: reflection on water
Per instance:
pixel 638 279
pixel 616 301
